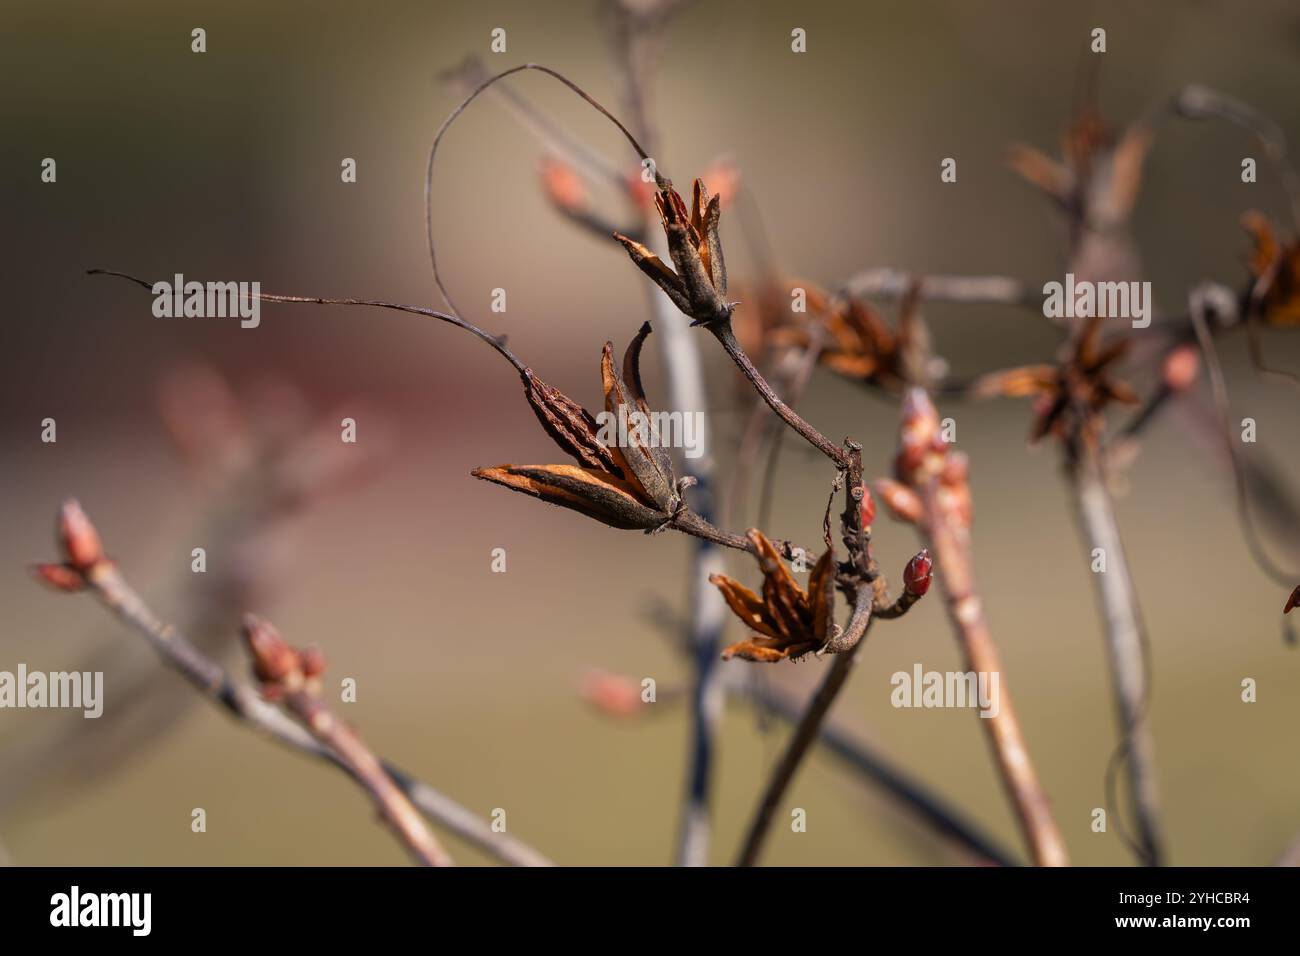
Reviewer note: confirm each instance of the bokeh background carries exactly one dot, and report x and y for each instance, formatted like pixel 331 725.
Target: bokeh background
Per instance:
pixel 227 165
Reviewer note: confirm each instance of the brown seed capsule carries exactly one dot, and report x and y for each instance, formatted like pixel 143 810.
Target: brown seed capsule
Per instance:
pixel 627 482
pixel 789 621
pixel 698 286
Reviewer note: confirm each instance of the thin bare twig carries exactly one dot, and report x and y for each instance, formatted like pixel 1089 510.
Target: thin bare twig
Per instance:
pixel 90 569
pixel 805 732
pixel 293 677
pixel 943 522
pixel 1126 648
pixel 724 334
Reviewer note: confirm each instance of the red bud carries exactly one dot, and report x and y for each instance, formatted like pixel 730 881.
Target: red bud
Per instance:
pixel 868 508
pixel 956 469
pixel 1181 368
pixel 916 576
pixel 612 694
pixel 78 537
pixel 273 659
pixel 1293 601
pixel 563 186
pixel 313 661
pixel 62 577
pixel 902 502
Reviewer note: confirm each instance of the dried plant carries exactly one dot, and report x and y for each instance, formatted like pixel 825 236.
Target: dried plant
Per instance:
pixel 632 482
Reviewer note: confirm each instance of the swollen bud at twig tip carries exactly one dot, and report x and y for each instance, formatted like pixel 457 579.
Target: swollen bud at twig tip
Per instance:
pixel 564 188
pixel 312 660
pixel 612 694
pixel 78 537
pixel 916 576
pixel 1181 368
pixel 62 577
pixel 956 469
pixel 1293 601
pixel 273 659
pixel 903 503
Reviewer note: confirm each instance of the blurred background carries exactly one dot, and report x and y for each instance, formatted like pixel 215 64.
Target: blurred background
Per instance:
pixel 226 165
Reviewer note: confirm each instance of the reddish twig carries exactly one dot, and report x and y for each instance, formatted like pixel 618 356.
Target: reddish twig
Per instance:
pixel 86 568
pixel 292 677
pixel 939 482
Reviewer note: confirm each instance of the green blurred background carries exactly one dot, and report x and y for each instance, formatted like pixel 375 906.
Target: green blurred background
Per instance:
pixel 226 165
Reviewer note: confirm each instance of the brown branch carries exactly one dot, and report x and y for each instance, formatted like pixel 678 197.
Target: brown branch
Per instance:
pixel 724 334
pixel 927 468
pixel 1125 644
pixel 806 732
pixel 87 567
pixel 292 677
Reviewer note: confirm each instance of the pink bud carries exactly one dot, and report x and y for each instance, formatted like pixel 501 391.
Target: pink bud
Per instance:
pixel 916 576
pixel 612 694
pixel 313 661
pixel 273 659
pixel 902 502
pixel 563 186
pixel 59 576
pixel 78 537
pixel 868 508
pixel 1181 368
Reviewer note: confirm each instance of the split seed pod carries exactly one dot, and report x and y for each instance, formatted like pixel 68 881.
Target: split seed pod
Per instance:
pixel 625 483
pixel 698 287
pixel 790 622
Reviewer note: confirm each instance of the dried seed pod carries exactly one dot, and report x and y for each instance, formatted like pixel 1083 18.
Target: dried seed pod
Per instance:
pixel 628 483
pixel 790 622
pixel 698 287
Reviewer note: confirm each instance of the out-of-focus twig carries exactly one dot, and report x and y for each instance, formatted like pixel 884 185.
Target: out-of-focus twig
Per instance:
pixel 939 483
pixel 1126 647
pixel 293 678
pixel 805 733
pixel 86 567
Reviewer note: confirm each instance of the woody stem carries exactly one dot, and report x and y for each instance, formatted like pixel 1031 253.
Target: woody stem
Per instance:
pixel 806 731
pixel 723 333
pixel 245 705
pixel 950 545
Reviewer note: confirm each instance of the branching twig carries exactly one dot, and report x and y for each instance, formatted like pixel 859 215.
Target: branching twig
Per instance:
pixel 940 484
pixel 87 567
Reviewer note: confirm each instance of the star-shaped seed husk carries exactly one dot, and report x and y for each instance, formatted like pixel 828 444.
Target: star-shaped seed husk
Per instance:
pixel 790 622
pixel 624 486
pixel 1082 380
pixel 1276 269
pixel 858 344
pixel 698 287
